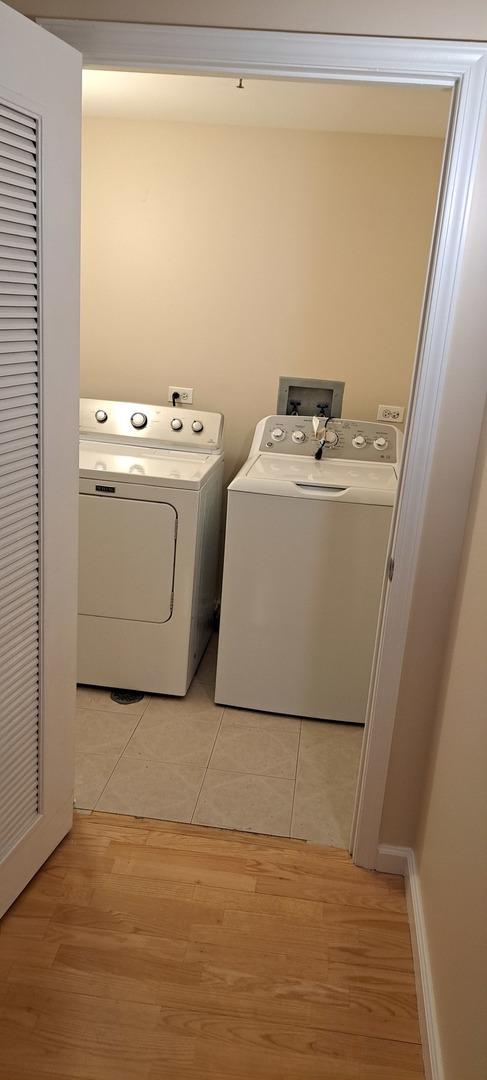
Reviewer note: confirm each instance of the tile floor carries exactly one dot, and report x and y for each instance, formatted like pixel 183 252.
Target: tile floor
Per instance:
pixel 187 759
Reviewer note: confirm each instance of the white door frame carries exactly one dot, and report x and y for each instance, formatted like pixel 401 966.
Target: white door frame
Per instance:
pixel 456 65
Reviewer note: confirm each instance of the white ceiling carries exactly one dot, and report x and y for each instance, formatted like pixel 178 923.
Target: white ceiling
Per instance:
pixel 310 106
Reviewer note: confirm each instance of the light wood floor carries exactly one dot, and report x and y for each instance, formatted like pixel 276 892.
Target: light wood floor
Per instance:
pixel 145 950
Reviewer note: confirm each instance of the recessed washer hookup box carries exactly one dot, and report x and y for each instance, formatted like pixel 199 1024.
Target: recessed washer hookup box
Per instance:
pixel 309 397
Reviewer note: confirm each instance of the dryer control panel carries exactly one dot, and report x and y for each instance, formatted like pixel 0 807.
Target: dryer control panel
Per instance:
pixel 353 440
pixel 151 425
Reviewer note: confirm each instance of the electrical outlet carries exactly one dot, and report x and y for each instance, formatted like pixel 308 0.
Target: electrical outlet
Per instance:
pixel 394 414
pixel 185 394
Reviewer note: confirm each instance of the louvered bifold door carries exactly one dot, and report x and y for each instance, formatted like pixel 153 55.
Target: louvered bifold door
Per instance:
pixel 19 478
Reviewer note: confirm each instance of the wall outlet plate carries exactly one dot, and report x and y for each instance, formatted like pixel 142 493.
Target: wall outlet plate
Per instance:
pixel 394 414
pixel 185 394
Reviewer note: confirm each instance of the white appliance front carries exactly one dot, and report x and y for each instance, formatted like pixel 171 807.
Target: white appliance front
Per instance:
pixel 149 532
pixel 120 577
pixel 305 555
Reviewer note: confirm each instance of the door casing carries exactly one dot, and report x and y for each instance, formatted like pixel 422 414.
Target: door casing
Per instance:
pixel 451 333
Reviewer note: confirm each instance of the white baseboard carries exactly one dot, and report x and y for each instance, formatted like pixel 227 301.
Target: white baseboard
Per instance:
pixel 430 1036
pixel 392 860
pixel 401 860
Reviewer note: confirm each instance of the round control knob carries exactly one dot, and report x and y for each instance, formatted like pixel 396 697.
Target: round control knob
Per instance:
pixel 197 426
pixel 278 434
pixel 298 436
pixel 138 419
pixel 331 438
pixel 101 416
pixel 176 424
pixel 359 441
pixel 380 443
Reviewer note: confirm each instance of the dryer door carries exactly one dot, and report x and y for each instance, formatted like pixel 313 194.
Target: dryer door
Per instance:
pixel 126 558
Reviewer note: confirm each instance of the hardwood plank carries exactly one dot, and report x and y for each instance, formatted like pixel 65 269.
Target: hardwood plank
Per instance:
pixel 371 951
pixel 16 950
pixel 60 884
pixel 90 857
pixel 146 965
pixel 334 929
pixel 70 1055
pixel 134 913
pixel 251 941
pixel 214 991
pixel 24 926
pixel 177 867
pixel 335 890
pixel 245 845
pixel 82 878
pixel 341 944
pixel 242 1049
pixel 233 900
pixel 169 1039
pixel 145 949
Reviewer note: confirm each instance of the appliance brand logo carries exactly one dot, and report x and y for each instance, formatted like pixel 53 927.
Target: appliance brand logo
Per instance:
pixel 104 487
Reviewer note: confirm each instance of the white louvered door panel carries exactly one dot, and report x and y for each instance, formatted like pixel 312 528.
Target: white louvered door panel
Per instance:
pixel 40 80
pixel 19 478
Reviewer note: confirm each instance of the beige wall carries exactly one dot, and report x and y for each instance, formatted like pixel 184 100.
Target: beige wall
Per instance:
pixel 452 841
pixel 221 257
pixel 437 18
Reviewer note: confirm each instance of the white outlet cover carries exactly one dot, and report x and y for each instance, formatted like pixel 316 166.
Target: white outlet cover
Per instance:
pixel 185 394
pixel 392 414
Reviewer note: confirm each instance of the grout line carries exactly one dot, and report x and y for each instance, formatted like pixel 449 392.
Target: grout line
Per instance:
pixel 109 778
pixel 129 740
pixel 95 754
pixel 120 756
pixel 149 699
pixel 207 766
pixel 122 752
pixel 250 772
pixel 295 778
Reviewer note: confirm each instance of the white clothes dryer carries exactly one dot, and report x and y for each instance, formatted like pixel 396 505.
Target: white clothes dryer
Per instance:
pixel 305 561
pixel 150 500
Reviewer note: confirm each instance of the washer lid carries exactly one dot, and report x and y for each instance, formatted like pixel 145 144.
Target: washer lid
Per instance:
pixel 299 477
pixel 163 468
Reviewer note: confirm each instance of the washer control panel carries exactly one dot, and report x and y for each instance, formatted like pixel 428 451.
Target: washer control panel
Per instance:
pixel 353 440
pixel 151 425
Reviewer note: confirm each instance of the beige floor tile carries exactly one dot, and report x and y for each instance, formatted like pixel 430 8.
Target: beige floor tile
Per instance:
pixel 323 811
pixel 329 750
pixel 98 732
pixel 199 701
pixel 233 800
pixel 148 788
pixel 261 721
pixel 328 762
pixel 258 743
pixel 184 740
pixel 92 772
pixel 97 697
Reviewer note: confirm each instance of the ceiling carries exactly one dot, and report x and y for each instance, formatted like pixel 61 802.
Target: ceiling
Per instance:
pixel 309 106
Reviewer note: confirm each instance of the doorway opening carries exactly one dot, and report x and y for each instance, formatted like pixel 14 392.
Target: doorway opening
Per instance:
pixel 235 231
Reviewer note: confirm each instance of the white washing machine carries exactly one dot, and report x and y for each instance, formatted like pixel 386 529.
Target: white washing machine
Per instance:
pixel 305 555
pixel 150 499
